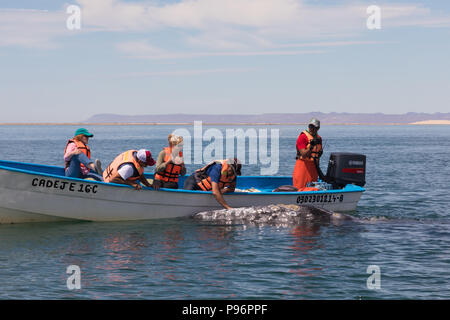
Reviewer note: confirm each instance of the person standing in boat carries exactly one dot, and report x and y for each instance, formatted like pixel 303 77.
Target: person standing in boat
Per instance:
pixel 128 168
pixel 170 164
pixel 309 151
pixel 219 176
pixel 77 157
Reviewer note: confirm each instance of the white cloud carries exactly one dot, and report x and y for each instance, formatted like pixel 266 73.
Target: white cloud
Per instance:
pixel 30 28
pixel 227 39
pixel 192 72
pixel 220 25
pixel 143 50
pixel 272 15
pixel 241 27
pixel 195 14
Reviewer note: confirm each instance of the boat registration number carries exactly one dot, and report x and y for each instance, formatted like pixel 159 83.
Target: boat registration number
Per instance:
pixel 64 185
pixel 321 198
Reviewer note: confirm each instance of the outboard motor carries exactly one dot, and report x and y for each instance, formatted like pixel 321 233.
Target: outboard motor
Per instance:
pixel 345 168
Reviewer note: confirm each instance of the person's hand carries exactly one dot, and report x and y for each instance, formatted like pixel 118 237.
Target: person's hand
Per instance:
pixel 308 152
pixel 76 152
pixel 178 160
pixel 137 186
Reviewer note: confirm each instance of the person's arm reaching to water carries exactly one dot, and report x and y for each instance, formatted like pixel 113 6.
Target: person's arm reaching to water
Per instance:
pixel 218 195
pixel 144 181
pixel 215 173
pixel 125 172
pixel 135 185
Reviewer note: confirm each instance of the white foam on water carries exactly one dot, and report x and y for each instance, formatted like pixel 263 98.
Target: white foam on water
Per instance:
pixel 273 214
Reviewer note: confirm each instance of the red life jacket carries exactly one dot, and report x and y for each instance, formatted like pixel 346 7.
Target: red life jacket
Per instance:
pixel 172 170
pixel 315 150
pixel 204 181
pixel 81 146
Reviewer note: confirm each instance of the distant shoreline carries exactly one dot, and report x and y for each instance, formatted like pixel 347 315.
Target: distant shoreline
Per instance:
pixel 428 122
pixel 432 122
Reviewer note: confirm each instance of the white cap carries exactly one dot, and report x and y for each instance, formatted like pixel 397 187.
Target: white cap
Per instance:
pixel 145 156
pixel 142 155
pixel 314 122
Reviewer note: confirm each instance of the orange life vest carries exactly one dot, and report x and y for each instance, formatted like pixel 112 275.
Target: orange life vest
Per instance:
pixel 204 181
pixel 315 150
pixel 81 146
pixel 172 170
pixel 126 157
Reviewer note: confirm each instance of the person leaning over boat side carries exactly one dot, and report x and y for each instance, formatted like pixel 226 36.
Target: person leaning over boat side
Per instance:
pixel 218 176
pixel 309 151
pixel 128 167
pixel 170 164
pixel 77 157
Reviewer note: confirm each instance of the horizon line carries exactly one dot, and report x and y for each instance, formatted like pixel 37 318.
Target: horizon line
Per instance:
pixel 425 122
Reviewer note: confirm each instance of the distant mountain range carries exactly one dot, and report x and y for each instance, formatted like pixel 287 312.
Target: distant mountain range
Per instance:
pixel 272 118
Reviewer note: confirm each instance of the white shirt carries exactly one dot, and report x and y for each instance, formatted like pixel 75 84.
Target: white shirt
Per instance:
pixel 126 171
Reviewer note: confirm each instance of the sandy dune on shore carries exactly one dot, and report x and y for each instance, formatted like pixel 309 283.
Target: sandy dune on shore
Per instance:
pixel 432 122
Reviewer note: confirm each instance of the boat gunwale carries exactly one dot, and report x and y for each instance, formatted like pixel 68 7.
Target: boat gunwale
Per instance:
pixel 2 167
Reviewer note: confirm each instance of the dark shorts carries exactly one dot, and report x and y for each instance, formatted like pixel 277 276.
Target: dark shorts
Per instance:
pixel 190 184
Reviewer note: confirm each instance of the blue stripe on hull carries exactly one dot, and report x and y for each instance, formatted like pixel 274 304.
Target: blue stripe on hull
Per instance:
pixel 264 183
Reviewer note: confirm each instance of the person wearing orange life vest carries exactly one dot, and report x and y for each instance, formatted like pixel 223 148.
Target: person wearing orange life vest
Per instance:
pixel 218 176
pixel 309 151
pixel 77 157
pixel 128 168
pixel 170 164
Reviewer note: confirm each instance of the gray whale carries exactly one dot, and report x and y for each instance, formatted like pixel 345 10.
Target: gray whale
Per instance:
pixel 274 214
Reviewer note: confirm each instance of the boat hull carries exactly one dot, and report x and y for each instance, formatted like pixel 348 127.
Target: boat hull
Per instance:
pixel 34 197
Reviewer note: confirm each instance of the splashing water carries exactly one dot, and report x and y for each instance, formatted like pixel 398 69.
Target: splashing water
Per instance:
pixel 274 214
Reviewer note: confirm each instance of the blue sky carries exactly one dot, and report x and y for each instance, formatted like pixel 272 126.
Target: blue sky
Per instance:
pixel 221 56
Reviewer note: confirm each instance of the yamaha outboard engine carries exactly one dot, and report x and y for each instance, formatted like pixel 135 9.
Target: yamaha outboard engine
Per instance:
pixel 345 168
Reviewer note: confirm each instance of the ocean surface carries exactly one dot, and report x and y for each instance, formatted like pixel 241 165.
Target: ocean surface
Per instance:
pixel 405 230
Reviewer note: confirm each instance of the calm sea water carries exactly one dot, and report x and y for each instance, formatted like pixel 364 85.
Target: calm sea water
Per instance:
pixel 407 233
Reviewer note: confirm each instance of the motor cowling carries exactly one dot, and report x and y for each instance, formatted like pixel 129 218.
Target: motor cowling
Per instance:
pixel 346 168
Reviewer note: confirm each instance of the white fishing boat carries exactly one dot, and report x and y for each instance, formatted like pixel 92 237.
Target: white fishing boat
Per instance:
pixel 37 193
